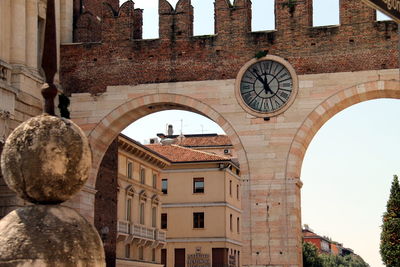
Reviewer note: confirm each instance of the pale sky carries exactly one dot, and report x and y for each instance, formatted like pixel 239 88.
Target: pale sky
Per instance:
pixel 348 167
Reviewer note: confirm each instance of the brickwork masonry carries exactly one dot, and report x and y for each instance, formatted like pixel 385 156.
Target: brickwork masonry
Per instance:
pixel 110 49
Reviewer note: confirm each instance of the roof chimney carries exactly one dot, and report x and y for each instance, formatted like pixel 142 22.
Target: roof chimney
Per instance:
pixel 170 130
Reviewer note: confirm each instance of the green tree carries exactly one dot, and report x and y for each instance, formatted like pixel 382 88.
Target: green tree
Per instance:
pixel 390 236
pixel 311 258
pixel 310 255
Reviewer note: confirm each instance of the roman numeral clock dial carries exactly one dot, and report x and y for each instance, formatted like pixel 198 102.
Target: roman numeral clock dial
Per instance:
pixel 266 87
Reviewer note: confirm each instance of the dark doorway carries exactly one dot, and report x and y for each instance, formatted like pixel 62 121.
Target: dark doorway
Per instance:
pixel 179 257
pixel 220 257
pixel 164 257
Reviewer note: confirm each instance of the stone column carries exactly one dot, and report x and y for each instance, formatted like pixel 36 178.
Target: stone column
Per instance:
pixel 5 30
pixel 18 24
pixel 31 48
pixel 66 20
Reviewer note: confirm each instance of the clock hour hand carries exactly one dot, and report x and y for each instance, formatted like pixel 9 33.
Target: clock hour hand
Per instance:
pixel 267 88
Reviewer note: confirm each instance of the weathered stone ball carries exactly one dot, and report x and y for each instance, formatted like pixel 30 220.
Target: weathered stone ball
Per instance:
pixel 46 159
pixel 49 235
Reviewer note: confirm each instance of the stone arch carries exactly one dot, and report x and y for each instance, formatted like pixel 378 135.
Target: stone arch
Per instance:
pixel 327 109
pixel 101 136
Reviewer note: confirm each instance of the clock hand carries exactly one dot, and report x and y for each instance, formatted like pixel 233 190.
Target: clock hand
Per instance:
pixel 257 76
pixel 267 88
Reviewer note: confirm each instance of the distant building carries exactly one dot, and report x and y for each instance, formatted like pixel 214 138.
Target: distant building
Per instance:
pixel 211 143
pixel 201 208
pixel 139 234
pixel 324 244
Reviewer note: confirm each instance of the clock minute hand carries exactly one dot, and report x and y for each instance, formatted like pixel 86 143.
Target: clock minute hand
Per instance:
pixel 258 76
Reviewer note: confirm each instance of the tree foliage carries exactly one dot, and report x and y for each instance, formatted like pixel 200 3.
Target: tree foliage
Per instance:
pixel 390 236
pixel 311 258
pixel 310 255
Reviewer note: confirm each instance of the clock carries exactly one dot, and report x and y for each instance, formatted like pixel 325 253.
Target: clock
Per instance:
pixel 266 87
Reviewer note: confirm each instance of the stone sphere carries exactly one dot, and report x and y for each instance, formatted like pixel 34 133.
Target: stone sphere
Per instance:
pixel 49 235
pixel 46 159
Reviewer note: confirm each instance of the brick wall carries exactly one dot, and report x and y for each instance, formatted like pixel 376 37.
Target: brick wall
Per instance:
pixel 105 213
pixel 95 6
pixel 360 43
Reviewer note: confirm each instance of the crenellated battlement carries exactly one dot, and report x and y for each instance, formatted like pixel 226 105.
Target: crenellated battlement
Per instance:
pixel 123 23
pixel 175 23
pixel 358 43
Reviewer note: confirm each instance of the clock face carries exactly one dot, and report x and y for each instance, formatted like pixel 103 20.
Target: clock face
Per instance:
pixel 266 86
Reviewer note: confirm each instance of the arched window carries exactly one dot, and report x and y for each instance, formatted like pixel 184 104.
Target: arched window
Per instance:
pixel 143 175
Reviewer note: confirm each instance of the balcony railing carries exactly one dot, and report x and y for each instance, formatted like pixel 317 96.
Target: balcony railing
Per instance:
pixel 143 234
pixel 124 227
pixel 142 231
pixel 161 236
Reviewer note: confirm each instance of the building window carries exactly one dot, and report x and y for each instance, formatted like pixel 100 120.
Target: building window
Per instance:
pixel 154 180
pixel 153 255
pixel 325 246
pixel 141 253
pixel 141 213
pixel 164 221
pixel 238 225
pixel 230 222
pixel 129 170
pixel 230 187
pixel 128 209
pixel 237 192
pixel 127 251
pixel 164 185
pixel 198 220
pixel 154 217
pixel 198 185
pixel 143 175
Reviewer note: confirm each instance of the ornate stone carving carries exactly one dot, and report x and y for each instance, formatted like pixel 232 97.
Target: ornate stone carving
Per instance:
pixel 5 72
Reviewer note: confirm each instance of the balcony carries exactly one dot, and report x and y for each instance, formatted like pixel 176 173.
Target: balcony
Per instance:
pixel 141 235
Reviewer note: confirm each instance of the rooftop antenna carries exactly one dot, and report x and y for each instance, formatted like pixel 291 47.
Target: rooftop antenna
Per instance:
pixel 181 126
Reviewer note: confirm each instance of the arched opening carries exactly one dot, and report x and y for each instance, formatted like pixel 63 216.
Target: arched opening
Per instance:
pixel 145 129
pixel 114 193
pixel 104 132
pixel 347 172
pixel 324 112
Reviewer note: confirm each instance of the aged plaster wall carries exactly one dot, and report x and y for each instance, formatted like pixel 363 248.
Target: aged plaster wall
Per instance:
pixel 270 152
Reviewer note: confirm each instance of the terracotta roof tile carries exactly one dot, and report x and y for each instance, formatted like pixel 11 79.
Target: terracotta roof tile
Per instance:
pixel 176 153
pixel 205 141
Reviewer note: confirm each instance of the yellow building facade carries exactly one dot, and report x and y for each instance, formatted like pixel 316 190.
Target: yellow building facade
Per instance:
pixel 201 208
pixel 139 234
